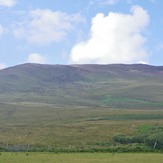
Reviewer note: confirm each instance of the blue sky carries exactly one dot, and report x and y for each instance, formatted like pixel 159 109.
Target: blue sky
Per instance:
pixel 81 32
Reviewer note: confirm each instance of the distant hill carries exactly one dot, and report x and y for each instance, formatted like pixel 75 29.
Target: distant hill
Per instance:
pixel 114 85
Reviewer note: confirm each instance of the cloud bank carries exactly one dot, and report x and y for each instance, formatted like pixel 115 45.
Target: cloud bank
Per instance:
pixel 7 3
pixel 114 38
pixel 36 58
pixel 46 26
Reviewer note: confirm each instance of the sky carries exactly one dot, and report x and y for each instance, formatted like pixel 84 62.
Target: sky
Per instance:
pixel 81 32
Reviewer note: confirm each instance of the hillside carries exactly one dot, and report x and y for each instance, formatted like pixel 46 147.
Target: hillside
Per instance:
pixel 78 107
pixel 116 86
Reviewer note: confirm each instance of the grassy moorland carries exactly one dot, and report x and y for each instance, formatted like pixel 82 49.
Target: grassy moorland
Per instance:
pixel 72 128
pixel 80 107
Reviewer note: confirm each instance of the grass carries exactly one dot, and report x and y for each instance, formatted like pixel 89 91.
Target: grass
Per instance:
pixel 80 158
pixel 133 117
pixel 145 128
pixel 74 128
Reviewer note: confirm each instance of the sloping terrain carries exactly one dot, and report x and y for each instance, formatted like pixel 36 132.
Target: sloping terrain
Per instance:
pixel 116 86
pixel 77 106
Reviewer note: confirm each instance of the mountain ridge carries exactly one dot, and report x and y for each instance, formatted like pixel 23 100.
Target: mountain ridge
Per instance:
pixel 31 69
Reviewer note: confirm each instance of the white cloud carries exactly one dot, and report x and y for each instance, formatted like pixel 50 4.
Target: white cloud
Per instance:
pixel 36 58
pixel 7 3
pixel 2 66
pixel 115 38
pixel 143 62
pixel 46 26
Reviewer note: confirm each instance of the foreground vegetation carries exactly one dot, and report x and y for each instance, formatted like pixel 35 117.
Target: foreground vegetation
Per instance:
pixel 44 128
pixel 80 158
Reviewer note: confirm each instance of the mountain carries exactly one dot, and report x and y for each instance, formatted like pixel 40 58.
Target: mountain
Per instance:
pixel 115 85
pixel 77 106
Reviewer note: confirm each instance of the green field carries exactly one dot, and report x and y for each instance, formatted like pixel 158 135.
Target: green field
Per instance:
pixel 80 158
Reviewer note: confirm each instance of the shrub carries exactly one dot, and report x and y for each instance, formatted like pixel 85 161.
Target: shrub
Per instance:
pixel 155 141
pixel 122 139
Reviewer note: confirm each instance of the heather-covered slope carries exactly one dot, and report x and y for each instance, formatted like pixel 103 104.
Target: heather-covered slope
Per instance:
pixel 117 85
